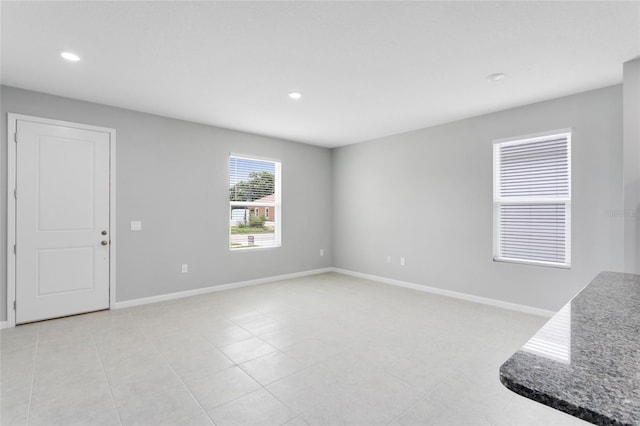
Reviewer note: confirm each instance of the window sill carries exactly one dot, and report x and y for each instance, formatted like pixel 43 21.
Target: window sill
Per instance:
pixel 247 249
pixel 532 263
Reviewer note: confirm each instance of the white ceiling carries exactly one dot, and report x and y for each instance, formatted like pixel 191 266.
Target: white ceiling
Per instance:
pixel 366 69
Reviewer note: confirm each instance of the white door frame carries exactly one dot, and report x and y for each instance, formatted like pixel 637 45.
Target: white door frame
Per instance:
pixel 11 204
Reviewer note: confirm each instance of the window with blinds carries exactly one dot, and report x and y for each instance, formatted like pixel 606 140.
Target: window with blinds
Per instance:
pixel 532 200
pixel 254 203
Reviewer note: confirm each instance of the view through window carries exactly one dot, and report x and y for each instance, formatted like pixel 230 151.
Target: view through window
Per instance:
pixel 254 203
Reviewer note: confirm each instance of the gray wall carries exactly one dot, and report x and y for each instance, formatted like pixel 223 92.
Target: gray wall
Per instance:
pixel 631 108
pixel 427 195
pixel 172 175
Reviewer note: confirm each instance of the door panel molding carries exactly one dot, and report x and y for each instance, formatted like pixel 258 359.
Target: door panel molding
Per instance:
pixel 12 120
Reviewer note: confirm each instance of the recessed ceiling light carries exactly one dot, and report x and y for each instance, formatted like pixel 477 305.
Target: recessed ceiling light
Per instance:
pixel 495 77
pixel 70 56
pixel 295 95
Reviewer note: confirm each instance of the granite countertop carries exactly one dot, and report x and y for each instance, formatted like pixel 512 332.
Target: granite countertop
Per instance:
pixel 586 360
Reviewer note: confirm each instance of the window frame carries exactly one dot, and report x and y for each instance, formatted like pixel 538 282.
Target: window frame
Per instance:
pixel 537 200
pixel 277 201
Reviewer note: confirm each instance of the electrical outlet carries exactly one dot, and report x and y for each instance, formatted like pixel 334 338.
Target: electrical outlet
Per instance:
pixel 321 252
pixel 402 261
pixel 388 259
pixel 185 268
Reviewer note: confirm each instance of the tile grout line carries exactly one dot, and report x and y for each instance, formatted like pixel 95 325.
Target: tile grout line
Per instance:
pixel 281 378
pixel 425 396
pixel 295 415
pixel 183 383
pixel 104 373
pixel 264 387
pixel 307 367
pixel 235 364
pixel 33 375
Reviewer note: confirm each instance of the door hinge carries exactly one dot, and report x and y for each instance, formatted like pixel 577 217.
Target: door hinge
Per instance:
pixel 14 305
pixel 15 194
pixel 14 248
pixel 15 137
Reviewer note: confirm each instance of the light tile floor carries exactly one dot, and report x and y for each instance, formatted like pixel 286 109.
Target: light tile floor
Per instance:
pixel 321 350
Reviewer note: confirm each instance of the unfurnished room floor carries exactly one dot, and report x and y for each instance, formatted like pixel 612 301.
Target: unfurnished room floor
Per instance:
pixel 326 349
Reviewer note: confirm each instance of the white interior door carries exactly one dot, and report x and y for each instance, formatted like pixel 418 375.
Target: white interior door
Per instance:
pixel 62 220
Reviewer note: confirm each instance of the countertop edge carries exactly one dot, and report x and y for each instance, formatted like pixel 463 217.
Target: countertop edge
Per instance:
pixel 584 360
pixel 558 404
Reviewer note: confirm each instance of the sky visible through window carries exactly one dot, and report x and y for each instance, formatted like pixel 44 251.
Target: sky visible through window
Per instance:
pixel 240 168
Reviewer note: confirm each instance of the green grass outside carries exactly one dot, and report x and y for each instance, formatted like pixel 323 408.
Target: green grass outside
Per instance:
pixel 236 230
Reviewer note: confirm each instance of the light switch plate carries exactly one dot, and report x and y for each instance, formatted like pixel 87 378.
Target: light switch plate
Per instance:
pixel 136 225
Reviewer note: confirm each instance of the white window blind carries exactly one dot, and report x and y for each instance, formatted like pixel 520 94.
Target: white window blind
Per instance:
pixel 254 203
pixel 532 200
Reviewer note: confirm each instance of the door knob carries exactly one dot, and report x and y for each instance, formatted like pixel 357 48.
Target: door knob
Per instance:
pixel 104 242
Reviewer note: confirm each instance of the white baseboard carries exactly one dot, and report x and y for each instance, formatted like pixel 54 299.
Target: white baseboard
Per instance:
pixel 222 287
pixel 419 287
pixel 449 293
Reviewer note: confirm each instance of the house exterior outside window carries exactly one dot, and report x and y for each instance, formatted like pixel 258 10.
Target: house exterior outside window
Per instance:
pixel 254 202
